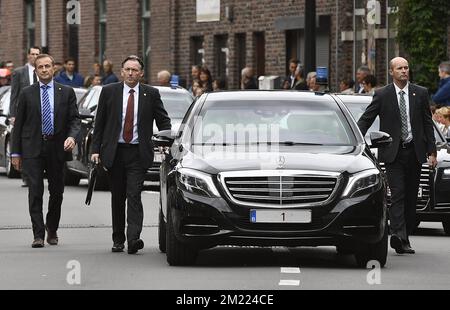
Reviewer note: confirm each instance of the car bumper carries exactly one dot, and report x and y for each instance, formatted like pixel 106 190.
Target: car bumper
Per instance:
pixel 207 222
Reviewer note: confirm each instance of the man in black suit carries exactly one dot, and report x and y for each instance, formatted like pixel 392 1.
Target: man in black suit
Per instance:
pixel 46 126
pixel 122 142
pixel 404 113
pixel 22 77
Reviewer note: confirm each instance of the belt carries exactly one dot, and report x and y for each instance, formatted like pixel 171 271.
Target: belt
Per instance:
pixel 405 145
pixel 127 145
pixel 48 137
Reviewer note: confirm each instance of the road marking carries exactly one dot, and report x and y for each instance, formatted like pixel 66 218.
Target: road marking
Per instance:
pixel 289 282
pixel 290 270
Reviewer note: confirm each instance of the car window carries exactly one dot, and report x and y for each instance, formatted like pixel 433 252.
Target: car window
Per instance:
pixel 358 109
pixel 90 99
pixel 176 104
pixel 250 122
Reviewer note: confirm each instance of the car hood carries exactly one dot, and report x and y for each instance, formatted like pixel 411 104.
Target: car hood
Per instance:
pixel 231 158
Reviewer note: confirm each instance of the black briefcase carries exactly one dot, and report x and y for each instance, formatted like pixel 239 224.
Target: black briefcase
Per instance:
pixel 92 178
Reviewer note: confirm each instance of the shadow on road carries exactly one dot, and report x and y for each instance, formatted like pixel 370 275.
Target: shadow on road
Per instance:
pixel 325 257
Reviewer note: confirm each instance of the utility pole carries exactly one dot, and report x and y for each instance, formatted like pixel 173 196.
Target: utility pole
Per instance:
pixel 310 35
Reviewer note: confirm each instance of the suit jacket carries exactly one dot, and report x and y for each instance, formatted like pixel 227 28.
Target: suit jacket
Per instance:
pixel 385 105
pixel 108 122
pixel 19 80
pixel 27 132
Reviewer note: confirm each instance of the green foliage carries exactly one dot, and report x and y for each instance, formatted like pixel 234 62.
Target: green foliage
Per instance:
pixel 422 35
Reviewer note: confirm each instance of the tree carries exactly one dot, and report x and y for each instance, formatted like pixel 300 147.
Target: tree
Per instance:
pixel 422 35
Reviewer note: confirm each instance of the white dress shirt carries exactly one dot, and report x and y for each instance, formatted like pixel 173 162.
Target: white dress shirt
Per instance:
pixel 406 96
pixel 126 94
pixel 31 73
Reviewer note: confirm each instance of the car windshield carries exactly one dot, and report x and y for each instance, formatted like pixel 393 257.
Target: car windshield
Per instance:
pixel 176 104
pixel 286 122
pixel 357 109
pixel 90 99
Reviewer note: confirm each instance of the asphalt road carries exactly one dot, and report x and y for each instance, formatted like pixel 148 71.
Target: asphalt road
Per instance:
pixel 83 259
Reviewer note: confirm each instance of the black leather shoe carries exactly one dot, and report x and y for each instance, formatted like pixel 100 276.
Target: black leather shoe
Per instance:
pixel 408 249
pixel 117 247
pixel 397 244
pixel 38 243
pixel 135 245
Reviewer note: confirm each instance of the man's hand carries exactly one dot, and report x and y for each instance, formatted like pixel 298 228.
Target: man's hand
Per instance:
pixel 95 158
pixel 17 162
pixel 12 121
pixel 432 160
pixel 69 144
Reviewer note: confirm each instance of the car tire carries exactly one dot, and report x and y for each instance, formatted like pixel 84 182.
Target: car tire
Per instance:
pixel 178 253
pixel 10 171
pixel 70 178
pixel 162 232
pixel 373 251
pixel 446 225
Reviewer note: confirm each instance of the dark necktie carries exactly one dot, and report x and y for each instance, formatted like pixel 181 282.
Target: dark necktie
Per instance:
pixel 129 119
pixel 35 79
pixel 403 116
pixel 47 124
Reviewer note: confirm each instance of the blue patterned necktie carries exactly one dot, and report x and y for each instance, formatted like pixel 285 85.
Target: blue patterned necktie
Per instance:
pixel 403 116
pixel 47 124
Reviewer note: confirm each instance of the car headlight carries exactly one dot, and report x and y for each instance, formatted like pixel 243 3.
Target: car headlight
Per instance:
pixel 197 182
pixel 362 183
pixel 446 174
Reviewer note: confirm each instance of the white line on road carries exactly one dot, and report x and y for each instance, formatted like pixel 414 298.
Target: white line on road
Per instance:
pixel 290 270
pixel 289 282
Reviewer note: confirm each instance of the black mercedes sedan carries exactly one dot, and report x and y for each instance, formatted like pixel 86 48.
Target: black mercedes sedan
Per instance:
pixel 433 197
pixel 271 168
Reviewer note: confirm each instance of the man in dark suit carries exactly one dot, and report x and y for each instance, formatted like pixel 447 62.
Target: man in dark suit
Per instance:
pixel 122 141
pixel 46 126
pixel 22 77
pixel 404 113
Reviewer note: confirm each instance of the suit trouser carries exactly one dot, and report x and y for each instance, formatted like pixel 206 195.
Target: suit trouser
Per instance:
pixel 403 178
pixel 127 181
pixel 34 169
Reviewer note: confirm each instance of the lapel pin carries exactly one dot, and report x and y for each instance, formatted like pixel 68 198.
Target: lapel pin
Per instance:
pixel 414 94
pixel 145 94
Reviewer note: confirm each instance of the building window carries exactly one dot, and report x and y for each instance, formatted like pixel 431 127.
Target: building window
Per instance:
pixel 240 52
pixel 197 51
pixel 260 53
pixel 101 30
pixel 30 23
pixel 221 56
pixel 72 41
pixel 145 24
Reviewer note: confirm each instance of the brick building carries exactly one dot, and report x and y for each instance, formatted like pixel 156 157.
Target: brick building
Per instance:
pixel 225 35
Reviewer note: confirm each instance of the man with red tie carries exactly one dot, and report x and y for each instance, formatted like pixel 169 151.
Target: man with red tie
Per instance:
pixel 122 144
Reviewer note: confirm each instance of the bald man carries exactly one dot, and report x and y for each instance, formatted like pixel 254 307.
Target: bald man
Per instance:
pixel 404 113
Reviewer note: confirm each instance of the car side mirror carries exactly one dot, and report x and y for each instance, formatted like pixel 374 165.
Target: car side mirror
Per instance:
pixel 164 138
pixel 380 139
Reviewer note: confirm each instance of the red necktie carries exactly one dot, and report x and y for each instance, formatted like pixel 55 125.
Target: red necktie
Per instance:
pixel 129 119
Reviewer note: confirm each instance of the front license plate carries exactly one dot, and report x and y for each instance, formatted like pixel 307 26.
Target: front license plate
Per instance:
pixel 280 216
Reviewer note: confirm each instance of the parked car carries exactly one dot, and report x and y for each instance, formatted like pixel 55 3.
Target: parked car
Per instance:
pixel 5 134
pixel 175 100
pixel 271 168
pixel 433 198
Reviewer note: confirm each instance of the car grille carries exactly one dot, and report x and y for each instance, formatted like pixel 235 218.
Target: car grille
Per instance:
pixel 281 190
pixel 424 185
